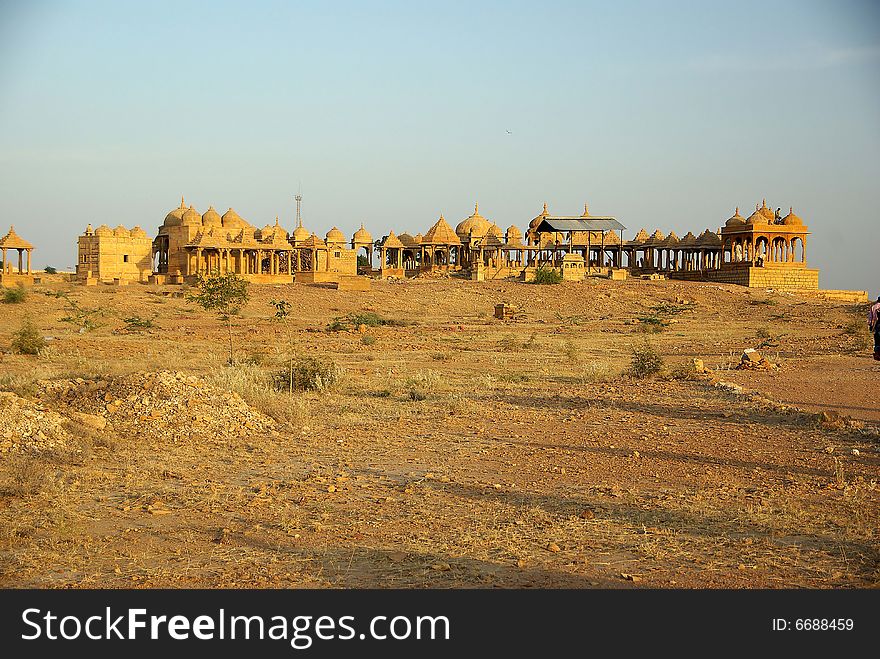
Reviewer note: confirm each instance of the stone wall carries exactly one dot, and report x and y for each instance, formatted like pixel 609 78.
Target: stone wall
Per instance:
pixel 780 277
pixel 114 257
pixel 339 260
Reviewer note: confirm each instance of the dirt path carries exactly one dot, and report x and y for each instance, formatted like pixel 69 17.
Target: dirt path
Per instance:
pixel 846 384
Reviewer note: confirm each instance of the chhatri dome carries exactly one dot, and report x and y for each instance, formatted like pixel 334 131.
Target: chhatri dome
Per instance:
pixel 191 217
pixel 535 222
pixel 173 218
pixel 211 218
pixel 735 220
pixel 791 219
pixel 475 225
pixel 232 220
pixel 335 236
pixel 362 235
pixel 757 217
pixel 301 233
pixel 766 212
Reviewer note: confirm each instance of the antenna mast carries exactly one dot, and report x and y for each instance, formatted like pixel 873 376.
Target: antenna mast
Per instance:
pixel 299 199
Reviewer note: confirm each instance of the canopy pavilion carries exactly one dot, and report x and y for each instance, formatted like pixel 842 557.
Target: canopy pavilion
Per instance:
pixel 586 234
pixel 13 241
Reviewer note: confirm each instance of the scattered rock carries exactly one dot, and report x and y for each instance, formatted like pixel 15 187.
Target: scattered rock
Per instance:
pixel 553 547
pixel 89 420
pixel 751 359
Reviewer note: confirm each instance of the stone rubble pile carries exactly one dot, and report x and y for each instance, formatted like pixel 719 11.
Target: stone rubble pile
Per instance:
pixel 753 360
pixel 26 426
pixel 163 405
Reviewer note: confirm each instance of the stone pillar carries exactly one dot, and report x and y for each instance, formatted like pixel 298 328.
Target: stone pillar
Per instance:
pixel 29 261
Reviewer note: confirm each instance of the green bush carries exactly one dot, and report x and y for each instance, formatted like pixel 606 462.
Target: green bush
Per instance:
pixel 646 361
pixel 28 340
pixel 50 270
pixel 368 340
pixel 308 374
pixel 14 295
pixel 651 324
pixel 547 276
pixel 137 324
pixel 367 318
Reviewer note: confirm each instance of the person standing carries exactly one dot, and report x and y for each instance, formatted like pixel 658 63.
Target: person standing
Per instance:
pixel 874 326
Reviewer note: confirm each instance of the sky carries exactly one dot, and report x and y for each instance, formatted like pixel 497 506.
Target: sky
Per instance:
pixel 663 114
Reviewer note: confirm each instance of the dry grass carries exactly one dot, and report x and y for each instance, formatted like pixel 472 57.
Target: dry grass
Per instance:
pixel 462 442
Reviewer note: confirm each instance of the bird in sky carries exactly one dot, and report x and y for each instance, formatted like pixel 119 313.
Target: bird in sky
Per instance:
pixel 509 132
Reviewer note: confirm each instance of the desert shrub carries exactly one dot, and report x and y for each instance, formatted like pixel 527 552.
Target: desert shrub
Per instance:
pixel 514 377
pixel 367 318
pixel 25 475
pixel 418 384
pixel 532 343
pixel 15 295
pixel 651 324
pixel 855 326
pixel 762 333
pixel 137 324
pixel 427 380
pixel 24 386
pixel 547 276
pixel 570 352
pixel 28 340
pixel 596 371
pixel 257 388
pixel 337 325
pixel 509 344
pixel 672 309
pixel 309 374
pixel 368 340
pixel 646 361
pixel 762 300
pixel 685 371
pixel 441 356
pixel 50 270
pixel 82 317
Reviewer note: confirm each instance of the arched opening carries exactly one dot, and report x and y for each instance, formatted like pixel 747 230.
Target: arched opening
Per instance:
pixel 797 250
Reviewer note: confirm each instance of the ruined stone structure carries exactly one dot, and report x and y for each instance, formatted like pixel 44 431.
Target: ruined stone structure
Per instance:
pixel 21 275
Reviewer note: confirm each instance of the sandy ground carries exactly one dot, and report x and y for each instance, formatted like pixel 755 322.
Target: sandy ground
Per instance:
pixel 456 450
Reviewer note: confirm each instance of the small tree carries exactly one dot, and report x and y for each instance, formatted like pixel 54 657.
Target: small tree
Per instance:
pixel 223 294
pixel 282 315
pixel 51 271
pixel 15 295
pixel 28 340
pixel 544 275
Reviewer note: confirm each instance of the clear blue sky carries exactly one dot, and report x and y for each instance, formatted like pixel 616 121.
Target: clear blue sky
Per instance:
pixel 664 114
